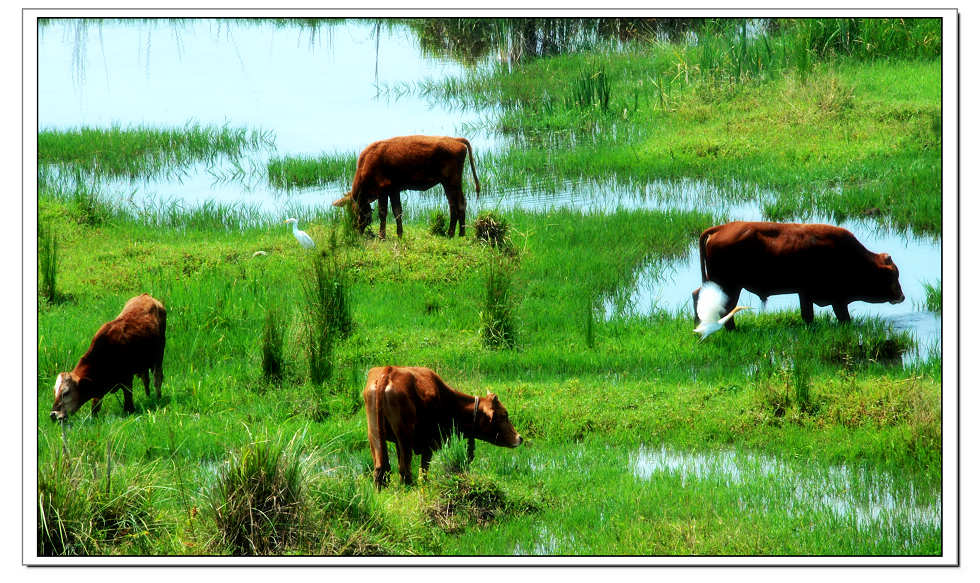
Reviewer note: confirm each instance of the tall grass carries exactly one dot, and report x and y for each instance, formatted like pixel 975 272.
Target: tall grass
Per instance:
pixel 85 507
pixel 934 297
pixel 47 261
pixel 305 171
pixel 272 341
pixel 328 314
pixel 498 326
pixel 591 90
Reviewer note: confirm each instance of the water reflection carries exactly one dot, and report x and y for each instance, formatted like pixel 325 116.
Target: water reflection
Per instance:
pixel 314 87
pixel 872 501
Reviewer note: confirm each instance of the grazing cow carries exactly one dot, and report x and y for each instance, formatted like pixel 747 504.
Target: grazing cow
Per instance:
pixel 387 167
pixel 417 410
pixel 825 265
pixel 132 344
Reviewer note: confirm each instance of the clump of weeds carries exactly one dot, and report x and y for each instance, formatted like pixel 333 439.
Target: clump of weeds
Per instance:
pixel 258 503
pixel 498 325
pixel 438 224
pixel 492 229
pixel 83 509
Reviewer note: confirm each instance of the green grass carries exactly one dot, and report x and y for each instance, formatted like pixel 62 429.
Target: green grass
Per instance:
pixel 934 297
pixel 287 172
pixel 139 152
pixel 858 134
pixel 632 427
pixel 417 301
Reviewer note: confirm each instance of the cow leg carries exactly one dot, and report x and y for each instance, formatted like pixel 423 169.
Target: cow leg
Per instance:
pixel 158 377
pixel 382 467
pixel 806 308
pixel 452 218
pixel 470 449
pixel 382 214
pixel 840 310
pixel 145 377
pixel 459 201
pixel 404 461
pixel 128 406
pixel 424 464
pixel 730 305
pixel 694 295
pixel 96 406
pixel 396 207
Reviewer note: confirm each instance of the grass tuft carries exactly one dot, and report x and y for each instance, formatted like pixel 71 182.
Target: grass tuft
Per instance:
pixel 437 224
pixel 492 229
pixel 498 326
pixel 47 262
pixel 257 504
pixel 272 343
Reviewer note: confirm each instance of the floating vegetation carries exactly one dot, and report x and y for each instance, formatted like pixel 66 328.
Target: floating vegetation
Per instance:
pixel 141 152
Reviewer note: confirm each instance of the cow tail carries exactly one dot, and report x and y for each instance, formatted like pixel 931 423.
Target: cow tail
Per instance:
pixel 702 244
pixel 472 165
pixel 379 387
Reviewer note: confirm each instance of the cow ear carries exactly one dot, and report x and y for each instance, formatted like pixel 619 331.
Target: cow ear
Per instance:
pixel 887 259
pixel 493 399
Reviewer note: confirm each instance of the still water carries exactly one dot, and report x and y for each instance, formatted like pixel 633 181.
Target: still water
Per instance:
pixel 317 89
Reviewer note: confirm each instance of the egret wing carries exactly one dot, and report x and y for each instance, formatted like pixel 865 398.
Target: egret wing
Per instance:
pixel 711 302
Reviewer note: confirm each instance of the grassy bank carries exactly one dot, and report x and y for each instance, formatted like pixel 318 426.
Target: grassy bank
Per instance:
pixel 640 383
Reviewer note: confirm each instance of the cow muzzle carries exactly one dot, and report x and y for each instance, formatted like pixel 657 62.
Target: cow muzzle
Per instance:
pixel 58 415
pixel 899 299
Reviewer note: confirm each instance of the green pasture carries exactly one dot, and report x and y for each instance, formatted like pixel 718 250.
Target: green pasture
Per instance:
pixel 778 438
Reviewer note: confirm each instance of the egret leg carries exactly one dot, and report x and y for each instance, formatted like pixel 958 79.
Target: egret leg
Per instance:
pixel 840 310
pixel 806 308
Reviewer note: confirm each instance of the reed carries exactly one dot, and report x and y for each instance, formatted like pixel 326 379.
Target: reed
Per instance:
pixel 934 297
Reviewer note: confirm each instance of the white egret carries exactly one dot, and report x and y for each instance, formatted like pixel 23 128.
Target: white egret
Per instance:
pixel 711 302
pixel 305 240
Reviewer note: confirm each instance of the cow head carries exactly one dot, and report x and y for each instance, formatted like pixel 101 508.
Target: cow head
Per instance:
pixel 362 211
pixel 886 287
pixel 67 397
pixel 493 425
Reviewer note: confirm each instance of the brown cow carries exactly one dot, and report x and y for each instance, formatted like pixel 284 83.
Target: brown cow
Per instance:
pixel 417 410
pixel 387 167
pixel 132 344
pixel 825 265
